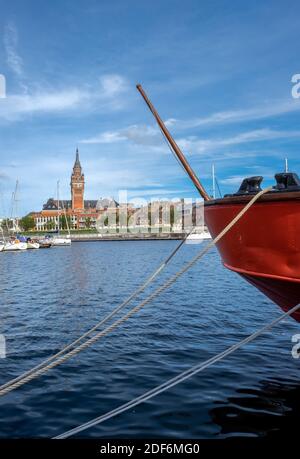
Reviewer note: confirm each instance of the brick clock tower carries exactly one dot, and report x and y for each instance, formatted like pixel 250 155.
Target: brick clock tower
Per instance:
pixel 77 185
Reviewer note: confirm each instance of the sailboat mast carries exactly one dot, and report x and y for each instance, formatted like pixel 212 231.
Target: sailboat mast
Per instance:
pixel 67 223
pixel 174 146
pixel 14 208
pixel 213 181
pixel 58 224
pixel 12 205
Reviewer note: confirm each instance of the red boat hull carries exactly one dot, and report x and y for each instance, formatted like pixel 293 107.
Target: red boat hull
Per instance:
pixel 264 245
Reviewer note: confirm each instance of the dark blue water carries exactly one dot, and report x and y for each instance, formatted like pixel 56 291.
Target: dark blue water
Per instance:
pixel 49 297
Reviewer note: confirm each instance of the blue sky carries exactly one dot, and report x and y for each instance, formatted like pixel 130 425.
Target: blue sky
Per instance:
pixel 218 72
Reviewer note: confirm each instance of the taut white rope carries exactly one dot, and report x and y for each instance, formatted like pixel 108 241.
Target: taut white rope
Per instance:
pixel 105 319
pixel 43 367
pixel 176 380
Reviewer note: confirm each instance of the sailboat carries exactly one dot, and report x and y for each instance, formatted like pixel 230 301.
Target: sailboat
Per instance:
pixel 31 244
pixel 14 243
pixel 263 246
pixel 59 240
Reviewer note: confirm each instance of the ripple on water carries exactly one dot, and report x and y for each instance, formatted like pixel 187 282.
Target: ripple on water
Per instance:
pixel 50 297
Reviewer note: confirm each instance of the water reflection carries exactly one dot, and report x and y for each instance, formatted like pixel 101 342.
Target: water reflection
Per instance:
pixel 270 409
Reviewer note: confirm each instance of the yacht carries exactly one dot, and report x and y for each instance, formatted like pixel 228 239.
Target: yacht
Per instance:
pixel 14 245
pixel 31 244
pixel 59 240
pixel 198 237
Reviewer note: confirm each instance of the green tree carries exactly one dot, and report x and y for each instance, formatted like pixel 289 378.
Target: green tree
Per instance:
pixel 149 216
pixel 27 223
pixel 63 222
pixel 50 225
pixel 88 222
pixel 172 215
pixel 7 223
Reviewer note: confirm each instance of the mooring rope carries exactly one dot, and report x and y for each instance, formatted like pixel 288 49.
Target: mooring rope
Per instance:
pixel 106 318
pixel 42 368
pixel 176 380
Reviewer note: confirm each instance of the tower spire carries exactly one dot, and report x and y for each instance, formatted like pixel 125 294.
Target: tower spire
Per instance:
pixel 77 160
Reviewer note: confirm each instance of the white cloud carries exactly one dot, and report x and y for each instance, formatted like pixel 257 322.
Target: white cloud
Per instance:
pixel 105 137
pixel 170 122
pixel 233 180
pixel 268 110
pixel 137 134
pixel 15 107
pixel 112 85
pixel 143 135
pixel 14 61
pixel 236 180
pixel 196 145
pixel 151 136
pixel 101 97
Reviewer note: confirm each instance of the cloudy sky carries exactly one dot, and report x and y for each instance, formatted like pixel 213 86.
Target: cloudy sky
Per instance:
pixel 218 72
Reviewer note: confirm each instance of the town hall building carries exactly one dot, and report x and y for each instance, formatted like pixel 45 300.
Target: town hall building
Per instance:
pixel 80 213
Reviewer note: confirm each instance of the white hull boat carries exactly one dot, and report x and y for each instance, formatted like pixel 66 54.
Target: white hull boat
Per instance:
pixel 60 241
pixel 33 245
pixel 14 246
pixel 198 238
pixel 1 246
